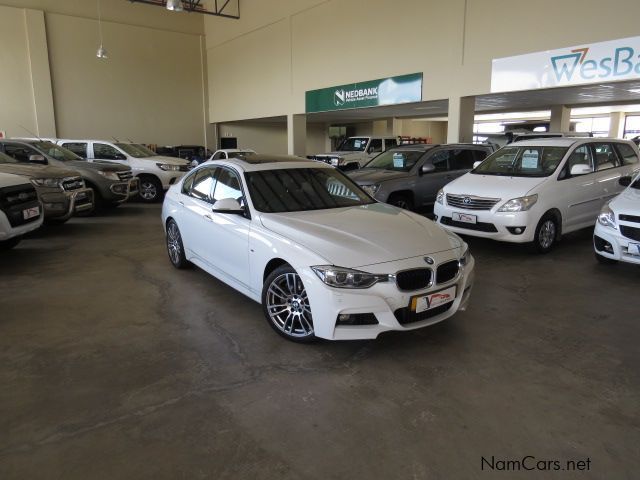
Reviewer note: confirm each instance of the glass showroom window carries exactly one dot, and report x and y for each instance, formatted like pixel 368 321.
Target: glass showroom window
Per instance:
pixel 481 129
pixel 599 126
pixel 631 126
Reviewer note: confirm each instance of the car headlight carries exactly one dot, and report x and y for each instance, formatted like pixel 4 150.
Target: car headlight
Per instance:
pixel 335 161
pixel 371 189
pixel 46 182
pixel 520 204
pixel 607 218
pixel 168 167
pixel 440 197
pixel 341 277
pixel 466 255
pixel 109 174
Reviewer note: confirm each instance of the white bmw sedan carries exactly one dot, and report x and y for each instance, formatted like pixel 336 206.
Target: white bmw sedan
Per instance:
pixel 324 258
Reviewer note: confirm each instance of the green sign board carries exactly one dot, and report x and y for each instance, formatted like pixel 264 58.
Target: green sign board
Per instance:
pixel 373 93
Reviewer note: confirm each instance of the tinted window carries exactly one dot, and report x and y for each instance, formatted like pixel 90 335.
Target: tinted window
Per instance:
pixel 402 160
pixel 227 186
pixel 106 152
pixel 461 160
pixel 77 148
pixel 219 155
pixel 479 155
pixel 188 182
pixel 375 145
pixel 19 152
pixel 605 156
pixel 515 161
pixel 580 156
pixel 440 160
pixel 627 154
pixel 203 184
pixel 390 143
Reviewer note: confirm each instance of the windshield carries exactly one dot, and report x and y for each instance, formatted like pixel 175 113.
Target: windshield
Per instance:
pixel 147 151
pixel 57 152
pixel 523 161
pixel 131 149
pixel 303 189
pixel 400 161
pixel 353 144
pixel 4 158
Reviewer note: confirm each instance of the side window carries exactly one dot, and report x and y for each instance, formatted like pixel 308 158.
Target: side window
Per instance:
pixel 375 145
pixel 19 153
pixel 605 156
pixel 461 160
pixel 479 155
pixel 218 156
pixel 626 153
pixel 203 184
pixel 228 186
pixel 580 156
pixel 77 148
pixel 440 160
pixel 106 152
pixel 188 182
pixel 390 143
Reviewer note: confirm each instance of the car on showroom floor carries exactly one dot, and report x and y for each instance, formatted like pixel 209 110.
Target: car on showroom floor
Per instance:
pixel 617 233
pixel 324 258
pixel 355 152
pixel 20 209
pixel 534 191
pixel 411 176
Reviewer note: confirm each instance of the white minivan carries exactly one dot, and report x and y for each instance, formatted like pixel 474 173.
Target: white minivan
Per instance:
pixel 156 173
pixel 534 191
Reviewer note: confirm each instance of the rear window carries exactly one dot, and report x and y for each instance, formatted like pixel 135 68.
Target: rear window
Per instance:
pixel 627 154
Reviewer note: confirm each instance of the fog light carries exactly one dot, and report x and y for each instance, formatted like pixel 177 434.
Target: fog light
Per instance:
pixel 357 319
pixel 516 230
pixel 602 245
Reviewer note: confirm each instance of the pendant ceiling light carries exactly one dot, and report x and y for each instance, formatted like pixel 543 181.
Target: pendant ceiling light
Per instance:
pixel 102 52
pixel 175 5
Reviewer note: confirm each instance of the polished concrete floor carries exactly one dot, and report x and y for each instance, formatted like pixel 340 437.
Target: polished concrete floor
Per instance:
pixel 114 365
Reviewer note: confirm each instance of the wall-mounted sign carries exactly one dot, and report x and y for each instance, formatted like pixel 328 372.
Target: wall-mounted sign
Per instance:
pixel 373 93
pixel 593 63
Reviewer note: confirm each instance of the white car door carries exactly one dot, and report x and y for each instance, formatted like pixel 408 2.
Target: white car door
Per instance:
pixel 225 237
pixel 608 171
pixel 196 204
pixel 108 153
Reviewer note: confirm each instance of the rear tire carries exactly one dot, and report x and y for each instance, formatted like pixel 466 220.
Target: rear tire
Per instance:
pixel 150 190
pixel 546 234
pixel 175 247
pixel 401 200
pixel 9 244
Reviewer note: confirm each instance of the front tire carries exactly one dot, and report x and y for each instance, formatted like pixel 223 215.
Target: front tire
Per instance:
pixel 286 305
pixel 546 234
pixel 401 200
pixel 9 244
pixel 150 190
pixel 175 247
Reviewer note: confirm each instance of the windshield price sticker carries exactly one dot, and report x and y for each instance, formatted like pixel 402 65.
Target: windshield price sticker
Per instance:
pixel 398 160
pixel 530 159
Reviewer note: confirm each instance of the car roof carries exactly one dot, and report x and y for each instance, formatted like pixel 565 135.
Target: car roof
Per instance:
pixel 564 141
pixel 269 162
pixel 426 146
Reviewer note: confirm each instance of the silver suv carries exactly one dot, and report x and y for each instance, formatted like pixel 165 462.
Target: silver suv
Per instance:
pixel 410 176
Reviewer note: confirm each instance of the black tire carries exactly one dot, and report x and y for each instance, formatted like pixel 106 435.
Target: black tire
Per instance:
pixel 56 221
pixel 604 260
pixel 401 200
pixel 546 234
pixel 175 247
pixel 9 244
pixel 150 190
pixel 286 305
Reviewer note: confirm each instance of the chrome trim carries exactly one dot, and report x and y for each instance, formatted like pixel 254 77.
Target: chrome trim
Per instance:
pixel 474 203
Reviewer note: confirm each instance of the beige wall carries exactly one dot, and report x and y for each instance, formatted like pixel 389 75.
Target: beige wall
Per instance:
pixel 263 137
pixel 151 89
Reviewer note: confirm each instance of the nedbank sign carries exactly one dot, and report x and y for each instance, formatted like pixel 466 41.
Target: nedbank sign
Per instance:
pixel 598 62
pixel 373 93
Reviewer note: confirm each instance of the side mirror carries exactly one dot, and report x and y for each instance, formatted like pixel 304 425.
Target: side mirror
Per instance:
pixel 37 159
pixel 427 168
pixel 477 164
pixel 228 205
pixel 581 169
pixel 625 181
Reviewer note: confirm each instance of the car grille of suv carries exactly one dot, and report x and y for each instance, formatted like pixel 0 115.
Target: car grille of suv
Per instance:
pixel 415 279
pixel 14 200
pixel 405 316
pixel 125 176
pixel 629 218
pixel 630 232
pixel 469 202
pixel 447 271
pixel 73 183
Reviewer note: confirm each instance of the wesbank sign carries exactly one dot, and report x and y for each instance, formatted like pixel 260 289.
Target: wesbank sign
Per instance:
pixel 373 93
pixel 599 62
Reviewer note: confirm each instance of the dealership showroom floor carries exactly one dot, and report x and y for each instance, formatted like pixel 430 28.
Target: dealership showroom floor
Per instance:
pixel 114 365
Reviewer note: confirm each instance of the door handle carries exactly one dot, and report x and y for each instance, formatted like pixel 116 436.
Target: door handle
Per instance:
pixel 208 217
pixel 181 203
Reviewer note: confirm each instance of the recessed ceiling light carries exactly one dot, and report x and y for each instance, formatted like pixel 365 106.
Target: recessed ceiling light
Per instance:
pixel 634 90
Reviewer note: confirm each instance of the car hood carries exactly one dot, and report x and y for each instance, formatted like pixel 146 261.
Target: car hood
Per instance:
pixel 628 202
pixel 365 235
pixel 368 176
pixel 493 186
pixel 36 171
pixel 10 180
pixel 167 160
pixel 98 165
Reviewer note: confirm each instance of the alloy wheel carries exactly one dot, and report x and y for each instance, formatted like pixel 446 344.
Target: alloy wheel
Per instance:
pixel 547 234
pixel 288 306
pixel 174 245
pixel 148 190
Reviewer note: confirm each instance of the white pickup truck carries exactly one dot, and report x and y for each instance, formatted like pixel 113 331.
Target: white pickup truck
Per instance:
pixel 20 209
pixel 355 152
pixel 155 172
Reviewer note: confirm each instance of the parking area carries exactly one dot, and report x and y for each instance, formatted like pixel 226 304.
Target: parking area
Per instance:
pixel 115 365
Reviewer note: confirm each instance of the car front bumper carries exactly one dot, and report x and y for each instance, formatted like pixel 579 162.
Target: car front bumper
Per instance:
pixel 7 231
pixel 611 244
pixel 384 300
pixel 61 205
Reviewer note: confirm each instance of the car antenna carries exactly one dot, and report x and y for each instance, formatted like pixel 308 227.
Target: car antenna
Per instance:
pixel 30 132
pixel 130 141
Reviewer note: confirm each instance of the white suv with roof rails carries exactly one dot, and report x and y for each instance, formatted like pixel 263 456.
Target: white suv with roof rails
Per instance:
pixel 156 173
pixel 355 152
pixel 533 191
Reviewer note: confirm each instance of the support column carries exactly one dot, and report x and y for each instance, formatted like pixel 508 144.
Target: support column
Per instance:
pixel 560 118
pixel 616 125
pixel 461 117
pixel 297 134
